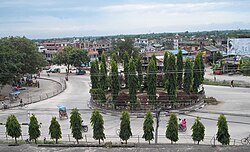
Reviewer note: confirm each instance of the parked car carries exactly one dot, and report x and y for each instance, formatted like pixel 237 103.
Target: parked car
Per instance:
pixel 56 70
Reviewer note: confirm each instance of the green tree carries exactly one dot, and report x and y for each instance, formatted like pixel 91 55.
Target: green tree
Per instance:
pixel 71 56
pixel 188 76
pixel 198 72
pixel 55 129
pixel 103 77
pixel 165 69
pixel 154 58
pixel 18 56
pixel 13 127
pixel 148 127
pixel 123 45
pixel 151 82
pixel 125 64
pixel 132 80
pixel 103 69
pixel 179 69
pixel 98 126
pixel 34 126
pixel 139 71
pixel 114 80
pixel 201 67
pixel 222 134
pixel 94 74
pixel 172 128
pixel 125 130
pixel 172 78
pixel 198 130
pixel 76 124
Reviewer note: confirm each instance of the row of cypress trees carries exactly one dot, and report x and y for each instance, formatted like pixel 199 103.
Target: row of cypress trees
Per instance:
pixel 13 128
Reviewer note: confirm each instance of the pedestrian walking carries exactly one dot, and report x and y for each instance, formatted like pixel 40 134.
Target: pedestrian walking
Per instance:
pixel 21 102
pixel 232 84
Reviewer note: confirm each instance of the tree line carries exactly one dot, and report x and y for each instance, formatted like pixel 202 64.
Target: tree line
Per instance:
pixel 18 56
pixel 13 128
pixel 177 75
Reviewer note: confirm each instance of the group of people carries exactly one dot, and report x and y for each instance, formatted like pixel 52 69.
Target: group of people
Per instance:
pixel 182 123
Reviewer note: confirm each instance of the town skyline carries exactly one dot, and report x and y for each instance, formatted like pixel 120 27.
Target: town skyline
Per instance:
pixel 51 19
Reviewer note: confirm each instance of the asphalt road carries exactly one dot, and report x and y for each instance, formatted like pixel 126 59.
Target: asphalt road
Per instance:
pixel 234 100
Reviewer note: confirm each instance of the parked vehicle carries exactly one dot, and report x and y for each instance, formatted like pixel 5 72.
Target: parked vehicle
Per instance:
pixel 62 112
pixel 56 70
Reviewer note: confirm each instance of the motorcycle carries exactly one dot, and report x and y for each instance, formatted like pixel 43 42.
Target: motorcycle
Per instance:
pixel 182 129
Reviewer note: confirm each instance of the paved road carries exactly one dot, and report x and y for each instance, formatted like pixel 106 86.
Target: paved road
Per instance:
pixel 77 95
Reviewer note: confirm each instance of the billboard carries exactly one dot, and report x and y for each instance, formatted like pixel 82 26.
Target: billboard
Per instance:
pixel 238 46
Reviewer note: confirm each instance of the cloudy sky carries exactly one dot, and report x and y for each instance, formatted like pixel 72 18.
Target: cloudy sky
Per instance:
pixel 68 18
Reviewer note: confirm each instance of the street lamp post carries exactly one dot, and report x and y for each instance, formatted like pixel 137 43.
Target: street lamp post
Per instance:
pixel 158 111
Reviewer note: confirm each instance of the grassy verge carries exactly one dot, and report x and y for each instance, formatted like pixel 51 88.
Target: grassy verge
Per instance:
pixel 220 83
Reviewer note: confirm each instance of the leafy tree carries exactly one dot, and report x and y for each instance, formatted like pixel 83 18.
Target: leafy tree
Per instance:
pixel 198 130
pixel 55 129
pixel 94 74
pixel 125 64
pixel 114 80
pixel 179 69
pixel 123 45
pixel 71 56
pixel 139 71
pixel 148 127
pixel 98 125
pixel 222 134
pixel 13 127
pixel 132 80
pixel 172 128
pixel 165 69
pixel 125 130
pixel 18 56
pixel 34 131
pixel 188 76
pixel 76 124
pixel 151 82
pixel 172 77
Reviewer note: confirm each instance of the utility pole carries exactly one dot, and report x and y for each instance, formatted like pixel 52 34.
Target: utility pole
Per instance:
pixel 157 114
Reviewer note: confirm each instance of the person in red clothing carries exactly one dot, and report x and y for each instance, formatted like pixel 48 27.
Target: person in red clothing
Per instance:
pixel 184 123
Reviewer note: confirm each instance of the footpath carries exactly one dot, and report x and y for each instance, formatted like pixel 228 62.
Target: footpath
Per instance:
pixel 48 87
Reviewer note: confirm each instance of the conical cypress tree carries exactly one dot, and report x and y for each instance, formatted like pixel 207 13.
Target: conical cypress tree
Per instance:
pixel 132 80
pixel 172 128
pixel 188 76
pixel 125 130
pixel 98 126
pixel 148 127
pixel 172 78
pixel 222 134
pixel 198 130
pixel 125 64
pixel 151 82
pixel 165 69
pixel 179 69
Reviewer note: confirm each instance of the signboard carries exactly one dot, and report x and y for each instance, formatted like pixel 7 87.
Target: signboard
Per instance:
pixel 238 46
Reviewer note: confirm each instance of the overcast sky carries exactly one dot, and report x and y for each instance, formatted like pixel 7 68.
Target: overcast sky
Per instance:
pixel 68 18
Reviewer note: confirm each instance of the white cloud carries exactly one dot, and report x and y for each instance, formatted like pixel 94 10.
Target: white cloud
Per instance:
pixel 202 6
